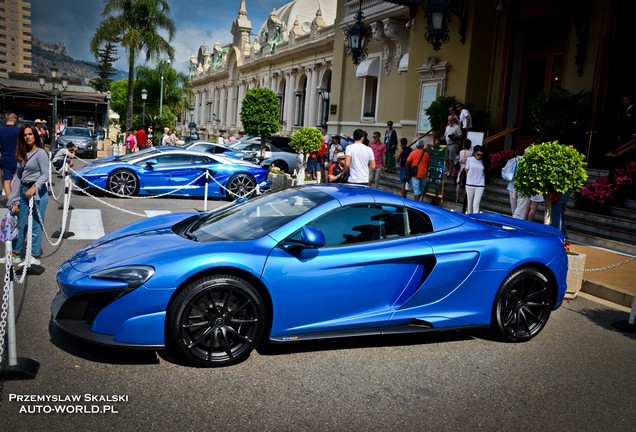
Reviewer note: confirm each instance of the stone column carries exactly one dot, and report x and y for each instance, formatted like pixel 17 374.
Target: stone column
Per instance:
pixel 290 100
pixel 311 101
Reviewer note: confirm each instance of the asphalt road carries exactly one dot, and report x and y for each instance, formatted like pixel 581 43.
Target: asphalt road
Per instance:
pixel 578 374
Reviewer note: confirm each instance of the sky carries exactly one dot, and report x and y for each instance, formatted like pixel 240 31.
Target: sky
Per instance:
pixel 197 21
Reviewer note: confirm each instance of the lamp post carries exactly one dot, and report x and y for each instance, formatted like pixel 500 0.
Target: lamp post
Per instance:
pixel 106 121
pixel 161 92
pixel 144 96
pixel 55 92
pixel 357 36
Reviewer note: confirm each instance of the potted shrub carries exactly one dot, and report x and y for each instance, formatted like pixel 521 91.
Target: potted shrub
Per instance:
pixel 550 169
pixel 597 197
pixel 437 112
pixel 305 141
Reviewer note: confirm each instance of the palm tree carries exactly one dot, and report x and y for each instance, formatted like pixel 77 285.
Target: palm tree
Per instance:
pixel 137 23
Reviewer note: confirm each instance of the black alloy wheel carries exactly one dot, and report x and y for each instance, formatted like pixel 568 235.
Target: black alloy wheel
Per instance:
pixel 523 305
pixel 123 182
pixel 240 186
pixel 216 321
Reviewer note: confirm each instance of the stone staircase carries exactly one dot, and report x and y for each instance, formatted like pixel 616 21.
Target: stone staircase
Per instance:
pixel 616 231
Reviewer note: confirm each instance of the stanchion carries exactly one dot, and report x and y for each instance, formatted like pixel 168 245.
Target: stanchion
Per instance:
pixel 205 195
pixel 67 190
pixel 18 368
pixel 628 326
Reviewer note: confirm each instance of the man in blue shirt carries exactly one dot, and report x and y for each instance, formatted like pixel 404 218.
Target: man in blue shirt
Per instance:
pixel 8 145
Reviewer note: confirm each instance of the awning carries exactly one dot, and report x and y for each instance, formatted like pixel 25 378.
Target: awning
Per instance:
pixel 368 67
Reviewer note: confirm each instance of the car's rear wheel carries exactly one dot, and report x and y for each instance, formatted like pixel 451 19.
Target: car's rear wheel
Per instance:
pixel 123 182
pixel 216 321
pixel 282 165
pixel 240 186
pixel 523 305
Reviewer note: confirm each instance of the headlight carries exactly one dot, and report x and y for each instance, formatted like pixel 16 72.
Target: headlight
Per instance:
pixel 134 276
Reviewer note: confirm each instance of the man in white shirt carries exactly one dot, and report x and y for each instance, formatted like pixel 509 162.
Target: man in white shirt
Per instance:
pixel 453 136
pixel 465 120
pixel 359 159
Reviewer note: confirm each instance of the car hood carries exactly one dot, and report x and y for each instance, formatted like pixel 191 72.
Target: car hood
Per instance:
pixel 126 245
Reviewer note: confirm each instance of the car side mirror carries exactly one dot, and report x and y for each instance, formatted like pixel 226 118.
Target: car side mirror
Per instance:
pixel 150 163
pixel 312 237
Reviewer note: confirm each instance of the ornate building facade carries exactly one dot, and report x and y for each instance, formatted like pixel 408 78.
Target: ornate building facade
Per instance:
pixel 291 54
pixel 494 55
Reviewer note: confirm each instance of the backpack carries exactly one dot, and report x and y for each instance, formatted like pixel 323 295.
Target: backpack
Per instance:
pixel 510 169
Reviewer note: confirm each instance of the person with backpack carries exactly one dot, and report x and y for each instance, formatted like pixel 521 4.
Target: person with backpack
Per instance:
pixel 508 173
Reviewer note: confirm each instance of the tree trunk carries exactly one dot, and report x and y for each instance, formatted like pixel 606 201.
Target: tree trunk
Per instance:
pixel 300 168
pixel 131 88
pixel 547 215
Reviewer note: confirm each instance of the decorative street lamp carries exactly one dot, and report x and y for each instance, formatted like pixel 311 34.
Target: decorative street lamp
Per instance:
pixel 144 96
pixel 191 109
pixel 437 14
pixel 108 96
pixel 161 92
pixel 55 92
pixel 356 38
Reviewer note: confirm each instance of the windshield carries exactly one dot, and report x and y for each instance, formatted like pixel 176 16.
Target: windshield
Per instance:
pixel 76 132
pixel 137 155
pixel 257 217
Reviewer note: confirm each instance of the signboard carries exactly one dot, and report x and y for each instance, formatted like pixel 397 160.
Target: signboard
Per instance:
pixel 435 173
pixel 427 96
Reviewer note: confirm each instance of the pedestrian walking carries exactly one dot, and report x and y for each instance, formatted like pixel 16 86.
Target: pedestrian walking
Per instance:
pixel 31 176
pixel 359 159
pixel 8 146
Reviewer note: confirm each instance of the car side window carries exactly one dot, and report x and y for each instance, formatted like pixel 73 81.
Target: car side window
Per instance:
pixel 361 223
pixel 171 160
pixel 418 223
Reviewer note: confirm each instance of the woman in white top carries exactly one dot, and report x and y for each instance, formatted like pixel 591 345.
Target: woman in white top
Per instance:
pixel 475 180
pixel 461 175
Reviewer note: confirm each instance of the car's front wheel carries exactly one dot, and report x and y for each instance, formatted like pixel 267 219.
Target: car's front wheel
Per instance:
pixel 282 165
pixel 123 182
pixel 216 321
pixel 240 186
pixel 523 305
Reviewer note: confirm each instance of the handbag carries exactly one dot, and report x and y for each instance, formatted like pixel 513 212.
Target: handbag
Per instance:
pixel 413 169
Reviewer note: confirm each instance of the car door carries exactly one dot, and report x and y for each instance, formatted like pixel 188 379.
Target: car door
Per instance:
pixel 350 285
pixel 172 172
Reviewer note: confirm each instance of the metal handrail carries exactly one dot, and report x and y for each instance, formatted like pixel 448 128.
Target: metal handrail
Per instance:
pixel 499 135
pixel 623 149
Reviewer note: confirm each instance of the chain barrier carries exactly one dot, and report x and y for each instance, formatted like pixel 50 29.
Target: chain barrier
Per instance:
pixel 609 267
pixel 62 171
pixel 135 197
pixel 4 313
pixel 66 206
pixel 29 240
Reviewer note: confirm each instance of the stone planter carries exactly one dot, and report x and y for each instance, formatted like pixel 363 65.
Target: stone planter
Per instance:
pixel 280 181
pixel 576 265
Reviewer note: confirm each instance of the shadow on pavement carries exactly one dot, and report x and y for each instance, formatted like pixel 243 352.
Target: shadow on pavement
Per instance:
pixel 272 348
pixel 98 353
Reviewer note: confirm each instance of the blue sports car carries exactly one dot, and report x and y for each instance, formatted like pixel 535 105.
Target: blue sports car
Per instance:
pixel 317 261
pixel 159 170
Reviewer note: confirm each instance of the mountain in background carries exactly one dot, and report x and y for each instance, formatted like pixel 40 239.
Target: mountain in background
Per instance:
pixel 46 55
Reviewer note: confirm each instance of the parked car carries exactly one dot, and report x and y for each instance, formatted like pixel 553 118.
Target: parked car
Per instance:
pixel 310 262
pixel 214 148
pixel 82 137
pixel 278 153
pixel 158 170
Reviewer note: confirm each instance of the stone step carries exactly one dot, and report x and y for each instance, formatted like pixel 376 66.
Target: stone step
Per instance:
pixel 616 231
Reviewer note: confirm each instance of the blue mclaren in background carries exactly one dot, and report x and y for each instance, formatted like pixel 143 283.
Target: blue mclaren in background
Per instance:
pixel 160 170
pixel 318 261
